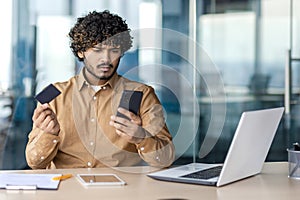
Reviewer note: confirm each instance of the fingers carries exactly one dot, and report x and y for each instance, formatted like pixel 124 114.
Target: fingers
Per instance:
pixel 132 136
pixel 135 118
pixel 120 123
pixel 41 113
pixel 38 111
pixel 45 119
pixel 128 129
pixel 129 138
pixel 52 127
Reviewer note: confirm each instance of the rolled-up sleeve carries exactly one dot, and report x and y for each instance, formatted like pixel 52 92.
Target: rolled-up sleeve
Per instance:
pixel 158 152
pixel 41 149
pixel 157 148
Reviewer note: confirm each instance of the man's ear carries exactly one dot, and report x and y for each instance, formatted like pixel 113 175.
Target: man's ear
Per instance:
pixel 80 54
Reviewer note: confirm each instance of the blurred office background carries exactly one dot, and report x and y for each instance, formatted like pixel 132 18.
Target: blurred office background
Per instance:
pixel 209 60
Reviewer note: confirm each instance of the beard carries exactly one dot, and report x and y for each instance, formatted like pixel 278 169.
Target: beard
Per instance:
pixel 90 70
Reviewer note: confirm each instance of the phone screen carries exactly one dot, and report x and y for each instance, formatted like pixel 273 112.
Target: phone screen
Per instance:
pixel 100 179
pixel 130 100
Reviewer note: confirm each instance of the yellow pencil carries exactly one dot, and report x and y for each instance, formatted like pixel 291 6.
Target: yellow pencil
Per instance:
pixel 62 177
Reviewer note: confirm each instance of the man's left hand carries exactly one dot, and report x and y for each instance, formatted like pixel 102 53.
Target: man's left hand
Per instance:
pixel 131 129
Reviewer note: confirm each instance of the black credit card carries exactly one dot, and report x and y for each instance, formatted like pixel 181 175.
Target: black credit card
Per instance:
pixel 47 94
pixel 130 100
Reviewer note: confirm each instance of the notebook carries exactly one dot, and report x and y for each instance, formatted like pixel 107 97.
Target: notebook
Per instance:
pixel 245 157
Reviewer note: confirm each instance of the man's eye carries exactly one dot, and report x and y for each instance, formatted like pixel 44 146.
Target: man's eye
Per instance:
pixel 97 50
pixel 116 50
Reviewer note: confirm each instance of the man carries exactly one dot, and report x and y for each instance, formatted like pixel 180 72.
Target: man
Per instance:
pixel 79 128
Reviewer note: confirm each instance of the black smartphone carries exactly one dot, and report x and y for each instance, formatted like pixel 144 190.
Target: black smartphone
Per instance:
pixel 130 100
pixel 47 94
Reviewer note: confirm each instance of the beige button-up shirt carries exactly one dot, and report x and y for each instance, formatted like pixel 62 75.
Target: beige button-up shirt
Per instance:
pixel 87 140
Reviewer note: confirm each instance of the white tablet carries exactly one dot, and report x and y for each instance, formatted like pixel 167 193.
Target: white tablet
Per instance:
pixel 100 179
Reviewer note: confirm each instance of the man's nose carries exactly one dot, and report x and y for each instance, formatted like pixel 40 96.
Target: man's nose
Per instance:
pixel 105 57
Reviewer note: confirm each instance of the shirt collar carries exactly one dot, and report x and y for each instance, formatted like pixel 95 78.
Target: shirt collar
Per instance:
pixel 82 82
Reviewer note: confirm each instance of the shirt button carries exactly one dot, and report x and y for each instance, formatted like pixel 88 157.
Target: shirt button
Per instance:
pixel 103 87
pixel 94 97
pixel 89 164
pixel 92 120
pixel 142 148
pixel 91 143
pixel 42 157
pixel 54 141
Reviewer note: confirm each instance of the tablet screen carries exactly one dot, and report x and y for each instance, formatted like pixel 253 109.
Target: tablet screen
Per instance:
pixel 100 179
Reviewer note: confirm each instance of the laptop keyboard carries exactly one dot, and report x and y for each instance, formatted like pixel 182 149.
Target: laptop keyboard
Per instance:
pixel 205 174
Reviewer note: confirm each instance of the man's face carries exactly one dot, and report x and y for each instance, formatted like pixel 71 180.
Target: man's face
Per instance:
pixel 101 62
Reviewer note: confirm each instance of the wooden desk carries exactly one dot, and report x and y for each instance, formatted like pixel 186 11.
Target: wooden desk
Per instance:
pixel 272 183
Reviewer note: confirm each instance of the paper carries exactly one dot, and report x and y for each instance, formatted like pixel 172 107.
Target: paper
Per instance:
pixel 29 181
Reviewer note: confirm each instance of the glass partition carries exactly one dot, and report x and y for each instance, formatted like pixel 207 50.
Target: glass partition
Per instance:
pixel 248 41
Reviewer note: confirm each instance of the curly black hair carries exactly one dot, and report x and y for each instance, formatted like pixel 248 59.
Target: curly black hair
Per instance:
pixel 99 27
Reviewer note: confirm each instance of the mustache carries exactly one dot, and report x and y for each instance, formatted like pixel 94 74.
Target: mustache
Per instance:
pixel 104 65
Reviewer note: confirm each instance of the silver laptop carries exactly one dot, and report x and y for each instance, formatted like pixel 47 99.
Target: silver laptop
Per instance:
pixel 246 155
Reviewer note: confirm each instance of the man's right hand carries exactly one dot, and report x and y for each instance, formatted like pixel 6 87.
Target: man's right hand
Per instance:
pixel 45 119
